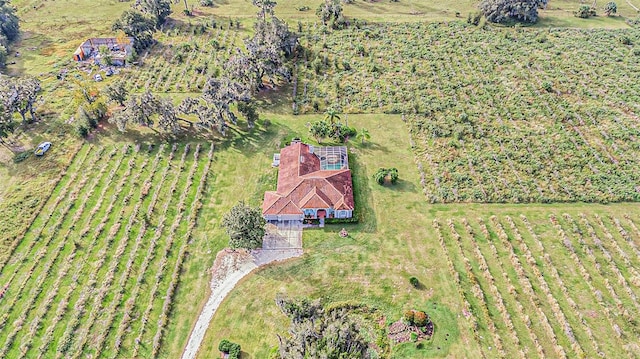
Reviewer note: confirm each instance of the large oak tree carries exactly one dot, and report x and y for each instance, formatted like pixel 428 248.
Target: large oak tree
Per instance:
pixel 504 11
pixel 245 226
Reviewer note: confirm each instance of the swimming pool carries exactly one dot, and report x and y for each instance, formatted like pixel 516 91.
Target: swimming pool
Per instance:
pixel 332 166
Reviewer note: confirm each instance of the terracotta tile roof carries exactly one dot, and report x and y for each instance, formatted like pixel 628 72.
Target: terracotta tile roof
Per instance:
pixel 290 208
pixel 315 199
pixel 302 184
pixel 295 161
pixel 341 181
pixel 270 199
pixel 282 206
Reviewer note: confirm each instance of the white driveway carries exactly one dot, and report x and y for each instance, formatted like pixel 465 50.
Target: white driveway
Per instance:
pixel 228 268
pixel 283 235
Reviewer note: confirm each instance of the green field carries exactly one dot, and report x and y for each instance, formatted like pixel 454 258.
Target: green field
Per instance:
pixel 106 244
pixel 102 260
pixel 493 108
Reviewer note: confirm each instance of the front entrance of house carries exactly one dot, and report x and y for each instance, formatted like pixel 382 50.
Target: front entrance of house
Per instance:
pixel 322 214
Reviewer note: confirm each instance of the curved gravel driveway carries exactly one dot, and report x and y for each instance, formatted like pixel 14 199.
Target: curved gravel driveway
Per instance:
pixel 228 268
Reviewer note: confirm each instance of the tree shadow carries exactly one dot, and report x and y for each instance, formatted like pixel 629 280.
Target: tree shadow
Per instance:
pixel 276 99
pixel 364 209
pixel 403 185
pixel 368 147
pixel 420 286
pixel 250 142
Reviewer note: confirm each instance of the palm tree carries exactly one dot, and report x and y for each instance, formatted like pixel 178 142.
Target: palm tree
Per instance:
pixel 363 135
pixel 332 116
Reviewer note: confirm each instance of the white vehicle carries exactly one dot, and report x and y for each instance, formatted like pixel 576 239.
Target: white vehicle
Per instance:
pixel 98 78
pixel 42 148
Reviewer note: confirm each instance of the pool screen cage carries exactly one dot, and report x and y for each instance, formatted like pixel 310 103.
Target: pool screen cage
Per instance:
pixel 332 158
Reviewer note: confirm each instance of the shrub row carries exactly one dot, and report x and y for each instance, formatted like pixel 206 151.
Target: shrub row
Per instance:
pixel 525 283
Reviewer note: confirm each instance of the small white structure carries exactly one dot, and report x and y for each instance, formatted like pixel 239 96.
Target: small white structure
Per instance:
pixel 276 160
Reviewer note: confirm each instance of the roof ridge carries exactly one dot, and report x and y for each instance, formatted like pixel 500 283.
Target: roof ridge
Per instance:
pixel 315 192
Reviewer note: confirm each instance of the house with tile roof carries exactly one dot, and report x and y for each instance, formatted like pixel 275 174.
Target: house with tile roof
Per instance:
pixel 313 183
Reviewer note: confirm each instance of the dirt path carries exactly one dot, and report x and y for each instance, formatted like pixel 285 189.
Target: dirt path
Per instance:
pixel 228 269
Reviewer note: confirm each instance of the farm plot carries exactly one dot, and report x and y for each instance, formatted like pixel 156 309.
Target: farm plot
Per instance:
pixel 187 54
pixel 564 286
pixel 495 115
pixel 95 273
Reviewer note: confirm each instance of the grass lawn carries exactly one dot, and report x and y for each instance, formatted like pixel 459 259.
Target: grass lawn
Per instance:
pixel 373 265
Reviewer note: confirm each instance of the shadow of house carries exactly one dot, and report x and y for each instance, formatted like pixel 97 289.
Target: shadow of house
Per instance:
pixel 119 50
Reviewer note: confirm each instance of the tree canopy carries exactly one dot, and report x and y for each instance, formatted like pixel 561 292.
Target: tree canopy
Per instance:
pixel 319 332
pixel 213 108
pixel 330 13
pixel 21 95
pixel 9 29
pixel 504 11
pixel 9 23
pixel 117 92
pixel 158 10
pixel 245 226
pixel 266 51
pixel 147 110
pixel 266 7
pixel 136 25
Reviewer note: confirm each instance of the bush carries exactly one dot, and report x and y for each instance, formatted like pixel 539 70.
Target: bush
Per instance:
pixel 420 318
pixel 343 132
pixel 474 18
pixel 230 348
pixel 409 316
pixel 414 282
pixel 224 346
pixel 21 156
pixel 206 2
pixel 383 174
pixel 414 337
pixel 625 40
pixel 585 12
pixel 610 8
